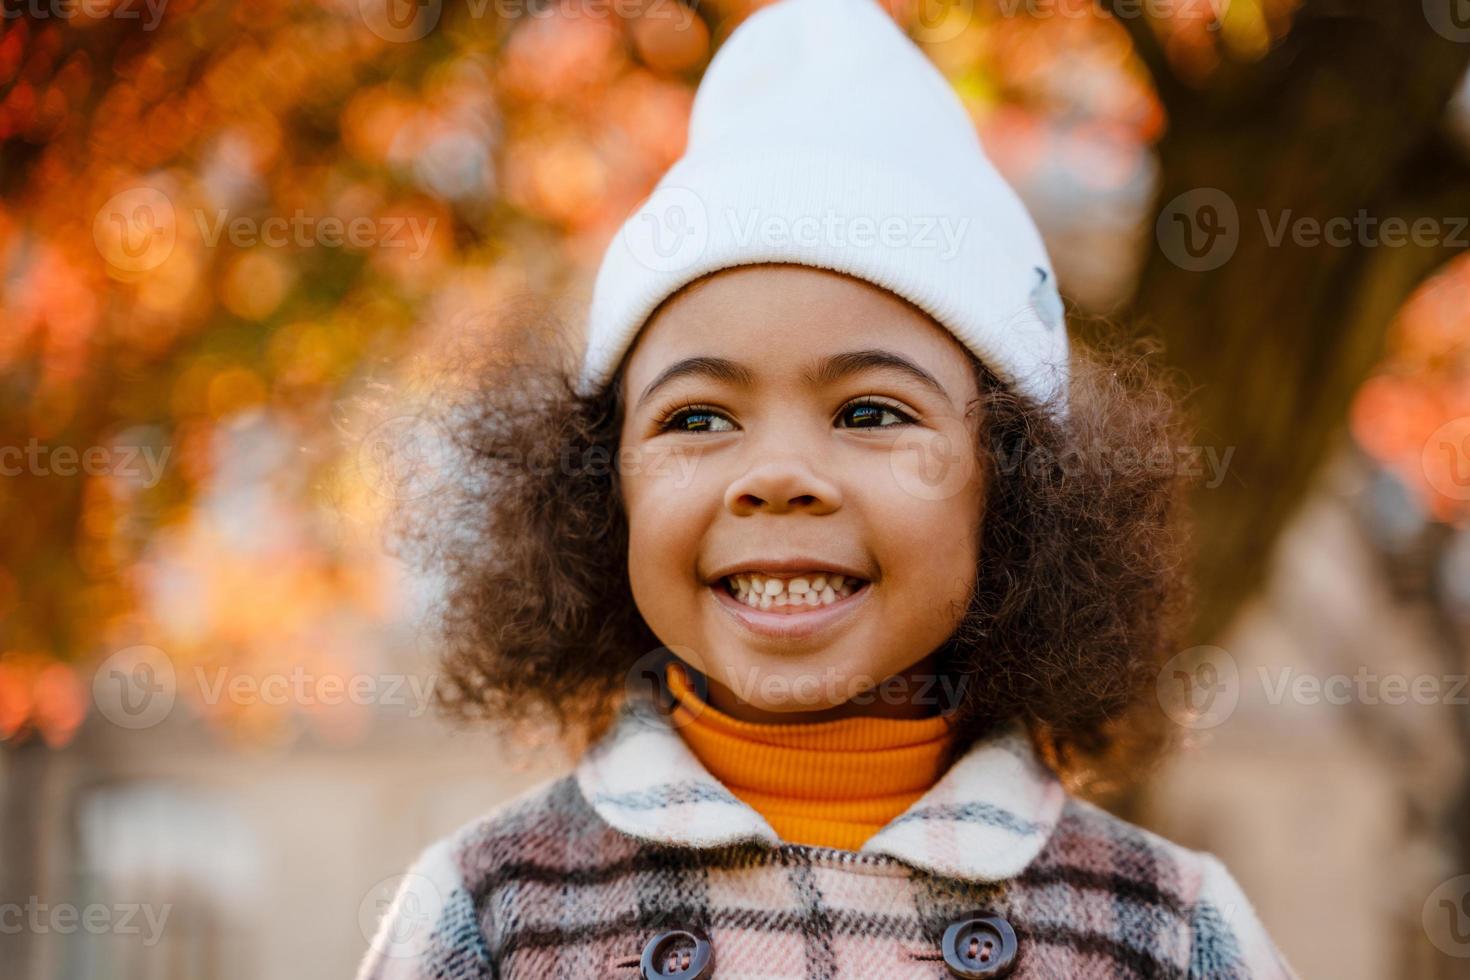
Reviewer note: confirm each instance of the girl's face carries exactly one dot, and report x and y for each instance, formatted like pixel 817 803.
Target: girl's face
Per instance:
pixel 785 426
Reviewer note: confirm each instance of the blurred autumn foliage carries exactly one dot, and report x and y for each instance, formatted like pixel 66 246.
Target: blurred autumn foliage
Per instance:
pixel 221 222
pixel 488 158
pixel 1413 414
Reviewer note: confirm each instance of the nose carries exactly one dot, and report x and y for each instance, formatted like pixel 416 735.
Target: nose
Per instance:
pixel 782 484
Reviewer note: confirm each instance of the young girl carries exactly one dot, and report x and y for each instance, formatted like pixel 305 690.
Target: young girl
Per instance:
pixel 831 557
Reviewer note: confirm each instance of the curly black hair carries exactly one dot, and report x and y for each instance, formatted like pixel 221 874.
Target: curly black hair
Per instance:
pixel 1080 590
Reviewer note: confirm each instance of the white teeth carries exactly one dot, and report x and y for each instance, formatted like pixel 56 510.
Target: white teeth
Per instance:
pixel 806 590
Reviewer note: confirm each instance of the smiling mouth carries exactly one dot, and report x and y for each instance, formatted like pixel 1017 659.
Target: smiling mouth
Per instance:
pixel 792 594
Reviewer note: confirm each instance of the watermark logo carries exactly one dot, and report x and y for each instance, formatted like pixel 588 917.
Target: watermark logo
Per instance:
pixel 1446 917
pixel 135 688
pixel 932 466
pixel 937 21
pixel 646 689
pixel 1199 688
pixel 670 232
pixel 1446 459
pixel 136 230
pixel 405 458
pixel 1450 19
pixel 400 21
pixel 398 914
pixel 1199 230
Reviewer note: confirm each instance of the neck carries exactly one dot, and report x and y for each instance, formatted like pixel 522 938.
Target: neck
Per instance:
pixel 833 784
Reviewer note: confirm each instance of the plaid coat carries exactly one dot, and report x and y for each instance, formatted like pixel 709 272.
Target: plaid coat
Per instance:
pixel 576 877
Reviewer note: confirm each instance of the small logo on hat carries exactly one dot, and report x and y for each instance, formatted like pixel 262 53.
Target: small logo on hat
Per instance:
pixel 1046 300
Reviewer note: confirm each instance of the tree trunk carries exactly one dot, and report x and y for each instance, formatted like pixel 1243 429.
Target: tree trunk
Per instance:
pixel 1342 120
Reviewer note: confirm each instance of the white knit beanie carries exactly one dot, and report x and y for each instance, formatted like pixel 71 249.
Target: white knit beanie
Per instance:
pixel 822 136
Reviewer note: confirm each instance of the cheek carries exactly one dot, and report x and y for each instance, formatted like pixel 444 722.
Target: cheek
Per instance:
pixel 652 566
pixel 665 525
pixel 927 511
pixel 934 543
pixel 933 467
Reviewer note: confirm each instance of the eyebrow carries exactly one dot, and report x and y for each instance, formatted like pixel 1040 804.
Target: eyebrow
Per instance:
pixel 826 371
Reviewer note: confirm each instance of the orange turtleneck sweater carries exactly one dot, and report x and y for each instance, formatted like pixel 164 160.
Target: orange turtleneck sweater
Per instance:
pixel 828 784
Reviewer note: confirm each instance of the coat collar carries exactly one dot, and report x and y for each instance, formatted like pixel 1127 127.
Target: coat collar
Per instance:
pixel 984 820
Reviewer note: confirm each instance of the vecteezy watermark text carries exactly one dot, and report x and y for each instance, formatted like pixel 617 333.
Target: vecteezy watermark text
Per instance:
pixel 137 688
pixel 1364 229
pixel 1201 229
pixel 674 227
pixel 305 231
pixel 38 459
pixel 1363 686
pixel 1211 11
pixel 63 918
pixel 406 21
pixel 938 21
pixel 1202 686
pixel 136 230
pixel 933 232
pixel 1159 461
pixel 820 689
pixel 91 9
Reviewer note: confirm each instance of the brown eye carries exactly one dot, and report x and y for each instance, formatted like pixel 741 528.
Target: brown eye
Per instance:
pixel 696 419
pixel 871 415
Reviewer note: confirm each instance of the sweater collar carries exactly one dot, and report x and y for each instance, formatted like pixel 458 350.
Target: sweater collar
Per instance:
pixel 985 819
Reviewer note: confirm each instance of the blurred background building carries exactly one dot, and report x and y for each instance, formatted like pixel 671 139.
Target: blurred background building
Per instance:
pixel 229 232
